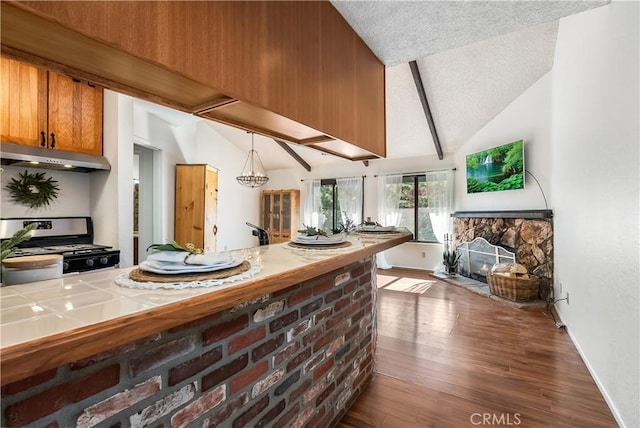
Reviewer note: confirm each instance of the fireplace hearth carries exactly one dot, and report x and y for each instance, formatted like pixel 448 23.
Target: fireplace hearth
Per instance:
pixel 527 234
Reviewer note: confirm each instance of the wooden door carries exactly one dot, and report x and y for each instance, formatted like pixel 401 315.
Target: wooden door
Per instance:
pixel 211 209
pixel 75 115
pixel 23 103
pixel 196 206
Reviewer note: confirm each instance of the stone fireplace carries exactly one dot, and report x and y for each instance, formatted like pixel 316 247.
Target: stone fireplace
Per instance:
pixel 527 234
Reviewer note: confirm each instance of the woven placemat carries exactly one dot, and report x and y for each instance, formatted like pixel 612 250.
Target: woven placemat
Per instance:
pixel 377 232
pixel 320 246
pixel 142 276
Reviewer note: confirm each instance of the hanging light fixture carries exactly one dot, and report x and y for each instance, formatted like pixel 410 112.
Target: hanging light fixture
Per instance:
pixel 253 173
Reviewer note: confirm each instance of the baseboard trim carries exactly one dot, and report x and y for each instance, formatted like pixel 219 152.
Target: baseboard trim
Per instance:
pixel 596 379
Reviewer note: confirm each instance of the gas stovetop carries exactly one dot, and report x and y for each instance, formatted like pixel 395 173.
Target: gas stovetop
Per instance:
pixel 60 249
pixel 70 236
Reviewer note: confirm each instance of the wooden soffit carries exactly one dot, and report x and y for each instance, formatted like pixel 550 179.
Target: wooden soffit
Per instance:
pixel 38 40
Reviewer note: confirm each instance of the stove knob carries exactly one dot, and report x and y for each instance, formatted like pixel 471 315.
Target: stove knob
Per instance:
pixel 89 262
pixel 104 260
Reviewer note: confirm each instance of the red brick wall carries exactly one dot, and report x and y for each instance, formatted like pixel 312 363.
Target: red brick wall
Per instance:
pixel 295 358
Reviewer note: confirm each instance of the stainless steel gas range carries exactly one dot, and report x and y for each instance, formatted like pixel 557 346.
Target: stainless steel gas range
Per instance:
pixel 70 236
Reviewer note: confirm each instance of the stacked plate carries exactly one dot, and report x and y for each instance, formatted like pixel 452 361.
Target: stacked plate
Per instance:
pixel 180 262
pixel 319 240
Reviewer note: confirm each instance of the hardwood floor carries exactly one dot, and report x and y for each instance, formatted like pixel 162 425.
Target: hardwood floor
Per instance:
pixel 451 358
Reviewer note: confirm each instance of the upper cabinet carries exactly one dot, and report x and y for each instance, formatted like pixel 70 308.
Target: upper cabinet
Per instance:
pixel 294 71
pixel 46 109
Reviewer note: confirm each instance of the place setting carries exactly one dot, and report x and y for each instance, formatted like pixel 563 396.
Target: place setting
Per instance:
pixel 311 238
pixel 374 228
pixel 173 266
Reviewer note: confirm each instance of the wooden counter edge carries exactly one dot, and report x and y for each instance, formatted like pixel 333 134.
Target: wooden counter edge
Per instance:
pixel 30 358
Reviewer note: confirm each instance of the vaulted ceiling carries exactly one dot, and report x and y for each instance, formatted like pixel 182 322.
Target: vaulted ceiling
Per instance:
pixel 474 58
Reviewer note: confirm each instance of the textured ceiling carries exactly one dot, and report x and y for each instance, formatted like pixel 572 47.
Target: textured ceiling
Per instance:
pixel 466 88
pixel 402 31
pixel 474 57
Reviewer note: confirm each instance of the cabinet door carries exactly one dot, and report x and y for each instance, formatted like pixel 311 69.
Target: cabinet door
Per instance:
pixel 211 210
pixel 75 115
pixel 266 212
pixel 23 103
pixel 286 216
pixel 189 212
pixel 276 217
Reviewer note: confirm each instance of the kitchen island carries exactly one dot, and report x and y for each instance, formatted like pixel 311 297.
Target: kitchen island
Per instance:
pixel 290 346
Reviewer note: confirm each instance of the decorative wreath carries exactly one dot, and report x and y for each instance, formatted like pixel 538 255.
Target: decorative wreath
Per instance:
pixel 33 189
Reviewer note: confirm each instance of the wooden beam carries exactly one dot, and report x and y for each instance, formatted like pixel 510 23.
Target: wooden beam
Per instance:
pixel 293 154
pixel 425 106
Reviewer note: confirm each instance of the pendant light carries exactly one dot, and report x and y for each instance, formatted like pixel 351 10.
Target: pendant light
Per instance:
pixel 253 173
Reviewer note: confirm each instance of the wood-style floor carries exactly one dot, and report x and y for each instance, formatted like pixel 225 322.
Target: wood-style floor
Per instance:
pixel 451 358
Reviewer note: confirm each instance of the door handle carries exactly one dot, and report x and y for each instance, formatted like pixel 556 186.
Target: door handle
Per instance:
pixel 215 229
pixel 53 140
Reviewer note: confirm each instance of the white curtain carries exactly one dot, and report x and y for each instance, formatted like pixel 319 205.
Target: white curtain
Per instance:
pixel 350 198
pixel 311 205
pixel 389 190
pixel 440 201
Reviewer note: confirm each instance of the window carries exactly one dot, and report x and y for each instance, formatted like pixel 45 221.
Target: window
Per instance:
pixel 330 203
pixel 419 202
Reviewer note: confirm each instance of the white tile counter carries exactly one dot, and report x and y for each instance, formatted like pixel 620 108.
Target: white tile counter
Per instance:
pixel 75 314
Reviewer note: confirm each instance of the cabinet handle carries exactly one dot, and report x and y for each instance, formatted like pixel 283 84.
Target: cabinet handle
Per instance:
pixel 43 139
pixel 215 229
pixel 53 140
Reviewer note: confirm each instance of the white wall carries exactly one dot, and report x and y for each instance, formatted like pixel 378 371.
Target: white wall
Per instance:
pixel 595 170
pixel 236 204
pixel 71 201
pixel 527 118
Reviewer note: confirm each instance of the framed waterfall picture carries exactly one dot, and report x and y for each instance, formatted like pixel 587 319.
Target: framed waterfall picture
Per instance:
pixel 495 169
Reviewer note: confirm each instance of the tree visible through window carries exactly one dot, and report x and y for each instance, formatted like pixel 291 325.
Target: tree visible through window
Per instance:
pixel 422 204
pixel 341 202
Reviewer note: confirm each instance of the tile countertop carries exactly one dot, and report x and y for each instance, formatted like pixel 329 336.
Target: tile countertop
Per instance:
pixel 37 310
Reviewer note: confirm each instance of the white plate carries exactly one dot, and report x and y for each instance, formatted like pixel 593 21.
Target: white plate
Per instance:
pixel 320 240
pixel 179 269
pixel 377 228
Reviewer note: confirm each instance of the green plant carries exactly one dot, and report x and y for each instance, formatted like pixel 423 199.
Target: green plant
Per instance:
pixel 33 189
pixel 450 258
pixel 312 231
pixel 174 246
pixel 20 236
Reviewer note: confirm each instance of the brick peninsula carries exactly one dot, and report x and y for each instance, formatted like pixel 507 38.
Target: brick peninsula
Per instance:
pixel 291 346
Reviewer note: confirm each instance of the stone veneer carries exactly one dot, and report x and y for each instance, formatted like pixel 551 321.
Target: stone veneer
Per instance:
pixel 530 239
pixel 298 357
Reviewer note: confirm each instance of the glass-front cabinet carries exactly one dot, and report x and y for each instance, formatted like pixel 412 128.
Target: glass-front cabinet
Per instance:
pixel 280 214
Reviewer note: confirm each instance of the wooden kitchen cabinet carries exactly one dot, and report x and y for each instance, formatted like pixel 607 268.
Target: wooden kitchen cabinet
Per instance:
pixel 196 206
pixel 46 109
pixel 280 214
pixel 291 70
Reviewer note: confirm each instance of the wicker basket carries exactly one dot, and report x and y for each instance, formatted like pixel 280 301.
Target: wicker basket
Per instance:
pixel 515 289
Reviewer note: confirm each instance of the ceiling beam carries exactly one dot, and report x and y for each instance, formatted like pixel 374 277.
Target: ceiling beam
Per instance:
pixel 293 154
pixel 425 106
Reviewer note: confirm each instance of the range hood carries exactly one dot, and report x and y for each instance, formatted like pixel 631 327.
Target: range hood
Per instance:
pixel 38 157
